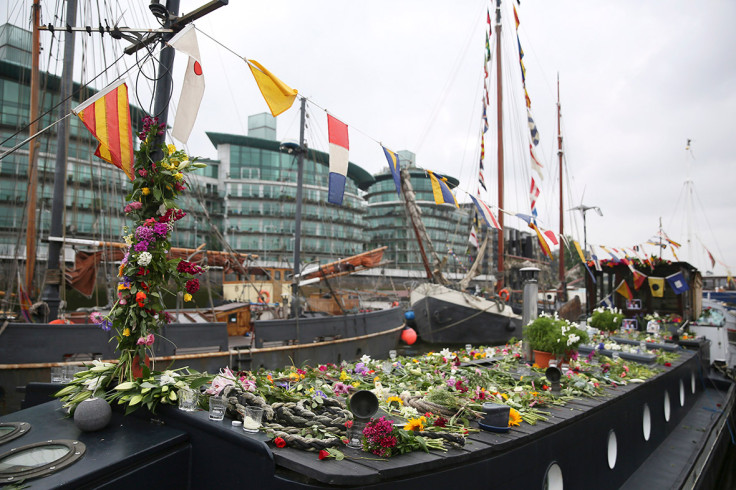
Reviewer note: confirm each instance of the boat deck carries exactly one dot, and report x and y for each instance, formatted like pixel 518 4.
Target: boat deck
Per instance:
pixel 682 411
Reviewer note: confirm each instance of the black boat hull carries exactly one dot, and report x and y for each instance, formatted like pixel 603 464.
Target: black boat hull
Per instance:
pixel 444 316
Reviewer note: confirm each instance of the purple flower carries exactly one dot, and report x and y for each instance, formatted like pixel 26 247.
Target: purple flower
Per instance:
pixel 360 368
pixel 144 233
pixel 160 229
pixel 340 388
pixel 141 247
pixel 106 325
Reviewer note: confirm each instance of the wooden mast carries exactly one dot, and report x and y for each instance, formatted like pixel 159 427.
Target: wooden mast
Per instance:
pixel 499 128
pixel 561 253
pixel 32 156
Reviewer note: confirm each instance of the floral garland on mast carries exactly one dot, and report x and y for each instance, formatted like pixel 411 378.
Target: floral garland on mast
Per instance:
pixel 146 271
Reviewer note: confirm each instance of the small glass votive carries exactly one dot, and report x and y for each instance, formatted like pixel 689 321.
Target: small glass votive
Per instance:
pixel 392 354
pixel 468 348
pixel 355 435
pixel 57 374
pixel 187 400
pixel 252 419
pixel 217 408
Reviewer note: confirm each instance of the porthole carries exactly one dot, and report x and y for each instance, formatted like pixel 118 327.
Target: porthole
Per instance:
pixel 553 477
pixel 666 406
pixel 39 459
pixel 646 423
pixel 682 394
pixel 12 430
pixel 612 449
pixel 692 382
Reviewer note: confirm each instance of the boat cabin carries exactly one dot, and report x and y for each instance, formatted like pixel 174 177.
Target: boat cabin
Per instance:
pixel 655 286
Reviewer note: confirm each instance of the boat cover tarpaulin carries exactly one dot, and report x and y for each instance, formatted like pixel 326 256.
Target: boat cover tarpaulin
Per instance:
pixel 356 263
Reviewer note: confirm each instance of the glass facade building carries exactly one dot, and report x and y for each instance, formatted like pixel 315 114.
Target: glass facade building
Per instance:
pixel 260 183
pixel 387 222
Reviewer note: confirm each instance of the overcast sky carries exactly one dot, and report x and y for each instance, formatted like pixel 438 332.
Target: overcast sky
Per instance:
pixel 637 80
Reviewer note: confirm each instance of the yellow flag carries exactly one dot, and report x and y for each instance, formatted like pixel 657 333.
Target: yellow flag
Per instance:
pixel 656 286
pixel 278 95
pixel 580 251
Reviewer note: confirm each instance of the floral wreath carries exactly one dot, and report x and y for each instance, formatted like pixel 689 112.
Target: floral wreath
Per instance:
pixel 146 270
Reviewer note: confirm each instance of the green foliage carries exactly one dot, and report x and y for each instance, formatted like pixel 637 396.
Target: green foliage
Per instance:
pixel 554 334
pixel 606 319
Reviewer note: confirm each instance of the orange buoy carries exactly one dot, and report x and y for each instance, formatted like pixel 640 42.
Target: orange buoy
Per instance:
pixel 504 294
pixel 263 296
pixel 409 335
pixel 59 321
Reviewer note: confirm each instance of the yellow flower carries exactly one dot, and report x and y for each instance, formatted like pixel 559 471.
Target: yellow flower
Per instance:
pixel 187 297
pixel 376 379
pixel 356 384
pixel 122 285
pixel 414 424
pixel 344 376
pixel 126 332
pixel 120 272
pixel 394 399
pixel 178 175
pixel 145 191
pixel 171 148
pixel 514 418
pixel 505 396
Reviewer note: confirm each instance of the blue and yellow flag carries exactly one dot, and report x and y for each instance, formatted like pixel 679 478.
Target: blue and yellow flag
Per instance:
pixel 395 166
pixel 441 191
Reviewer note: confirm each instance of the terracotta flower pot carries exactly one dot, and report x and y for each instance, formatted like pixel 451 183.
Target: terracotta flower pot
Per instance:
pixel 542 358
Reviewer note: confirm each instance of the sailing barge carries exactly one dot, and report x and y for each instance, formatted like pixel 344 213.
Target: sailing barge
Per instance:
pixel 668 432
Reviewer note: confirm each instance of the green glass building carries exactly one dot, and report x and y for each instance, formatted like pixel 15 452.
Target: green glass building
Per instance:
pixel 260 182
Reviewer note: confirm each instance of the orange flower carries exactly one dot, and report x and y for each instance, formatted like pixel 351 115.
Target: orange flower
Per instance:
pixel 140 297
pixel 514 418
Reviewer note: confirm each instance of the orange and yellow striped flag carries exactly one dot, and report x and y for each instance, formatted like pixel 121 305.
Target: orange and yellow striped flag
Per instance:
pixel 107 116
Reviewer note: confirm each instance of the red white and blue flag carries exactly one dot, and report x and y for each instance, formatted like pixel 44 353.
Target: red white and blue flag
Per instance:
pixel 339 146
pixel 485 211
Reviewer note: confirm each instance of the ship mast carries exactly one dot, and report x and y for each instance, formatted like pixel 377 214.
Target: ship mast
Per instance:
pixel 32 147
pixel 561 254
pixel 499 127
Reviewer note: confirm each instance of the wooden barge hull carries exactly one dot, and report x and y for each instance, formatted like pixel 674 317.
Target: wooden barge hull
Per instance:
pixel 29 351
pixel 688 415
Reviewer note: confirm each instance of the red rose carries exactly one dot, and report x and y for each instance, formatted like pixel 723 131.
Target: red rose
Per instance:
pixel 668 364
pixel 280 442
pixel 323 454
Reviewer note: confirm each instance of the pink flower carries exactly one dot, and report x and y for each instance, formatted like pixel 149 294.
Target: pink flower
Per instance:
pixel 147 340
pixel 95 317
pixel 143 172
